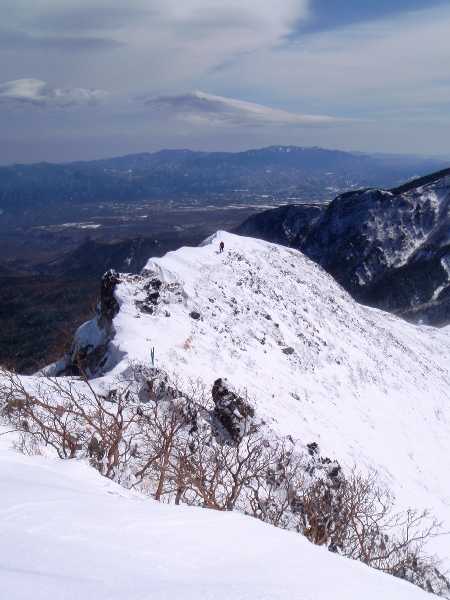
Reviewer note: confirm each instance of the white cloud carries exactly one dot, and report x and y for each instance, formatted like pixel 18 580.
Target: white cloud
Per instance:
pixel 154 42
pixel 38 93
pixel 207 109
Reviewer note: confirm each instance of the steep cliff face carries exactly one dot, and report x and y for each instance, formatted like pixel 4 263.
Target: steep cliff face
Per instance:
pixel 389 249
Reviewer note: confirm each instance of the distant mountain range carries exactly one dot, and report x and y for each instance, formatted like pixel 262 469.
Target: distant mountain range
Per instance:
pixel 389 249
pixel 279 171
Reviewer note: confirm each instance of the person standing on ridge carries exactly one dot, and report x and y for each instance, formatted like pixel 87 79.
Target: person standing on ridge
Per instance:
pixel 221 246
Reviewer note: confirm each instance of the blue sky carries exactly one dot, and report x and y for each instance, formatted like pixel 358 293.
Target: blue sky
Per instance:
pixel 328 15
pixel 84 79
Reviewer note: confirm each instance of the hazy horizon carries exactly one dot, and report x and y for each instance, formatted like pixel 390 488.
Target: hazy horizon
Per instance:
pixel 443 157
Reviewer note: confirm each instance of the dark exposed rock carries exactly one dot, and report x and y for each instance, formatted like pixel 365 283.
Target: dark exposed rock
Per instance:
pixel 194 315
pixel 155 283
pixel 153 287
pixel 287 350
pixel 145 307
pixel 87 357
pixel 108 307
pixel 335 472
pixel 313 448
pixel 231 410
pixel 153 297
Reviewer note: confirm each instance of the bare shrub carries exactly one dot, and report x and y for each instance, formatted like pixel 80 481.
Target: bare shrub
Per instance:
pixel 217 473
pixel 355 517
pixel 393 542
pixel 145 432
pixel 76 421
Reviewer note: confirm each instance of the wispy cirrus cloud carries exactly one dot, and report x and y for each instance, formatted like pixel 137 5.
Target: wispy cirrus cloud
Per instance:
pixel 207 109
pixel 38 93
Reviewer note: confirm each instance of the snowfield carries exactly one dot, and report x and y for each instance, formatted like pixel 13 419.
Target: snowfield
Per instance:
pixel 367 387
pixel 67 533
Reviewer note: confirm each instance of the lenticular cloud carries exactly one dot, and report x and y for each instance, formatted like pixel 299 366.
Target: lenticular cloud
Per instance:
pixel 208 109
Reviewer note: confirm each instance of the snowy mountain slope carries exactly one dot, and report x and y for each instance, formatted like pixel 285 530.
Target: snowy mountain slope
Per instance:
pixel 389 249
pixel 367 387
pixel 68 533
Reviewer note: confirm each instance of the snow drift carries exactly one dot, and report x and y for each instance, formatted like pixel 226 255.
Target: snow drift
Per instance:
pixel 66 532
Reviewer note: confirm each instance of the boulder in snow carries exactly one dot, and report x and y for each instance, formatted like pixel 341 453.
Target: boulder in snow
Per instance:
pixel 232 411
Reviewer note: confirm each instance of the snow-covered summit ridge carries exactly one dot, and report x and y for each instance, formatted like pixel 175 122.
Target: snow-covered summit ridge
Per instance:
pixel 366 386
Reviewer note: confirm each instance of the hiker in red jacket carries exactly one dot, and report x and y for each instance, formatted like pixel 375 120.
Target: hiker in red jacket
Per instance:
pixel 221 246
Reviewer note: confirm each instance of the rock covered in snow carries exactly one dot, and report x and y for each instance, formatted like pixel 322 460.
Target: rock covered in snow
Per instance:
pixel 91 344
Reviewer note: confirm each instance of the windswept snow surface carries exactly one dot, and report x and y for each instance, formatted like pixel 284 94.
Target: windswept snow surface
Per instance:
pixel 370 389
pixel 66 533
pixel 367 387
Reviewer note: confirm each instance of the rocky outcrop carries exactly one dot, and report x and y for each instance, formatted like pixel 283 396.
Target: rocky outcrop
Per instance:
pixel 231 410
pixel 152 290
pixel 108 306
pixel 90 348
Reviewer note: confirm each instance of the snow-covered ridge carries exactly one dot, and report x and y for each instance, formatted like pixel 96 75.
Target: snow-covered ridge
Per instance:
pixel 366 386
